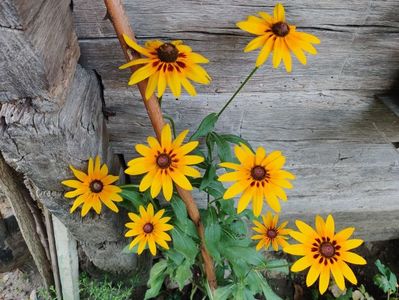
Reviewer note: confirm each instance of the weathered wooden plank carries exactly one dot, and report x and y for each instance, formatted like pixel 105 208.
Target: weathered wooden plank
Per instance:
pixel 41 143
pixel 39 38
pixel 338 143
pixel 358 49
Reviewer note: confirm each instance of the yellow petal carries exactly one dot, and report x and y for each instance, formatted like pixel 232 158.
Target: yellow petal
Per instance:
pixel 187 148
pixel 79 200
pixel 161 83
pixel 257 202
pixel 188 86
pixel 324 279
pixel 265 51
pixel 235 189
pixel 252 27
pixel 279 13
pixel 230 165
pixel 286 56
pixel 330 227
pixel 190 171
pixel 338 276
pixel 152 85
pixel 179 139
pixel 301 264
pixel 296 50
pixel 156 185
pixel 313 273
pixel 197 58
pixel 73 183
pixel 191 160
pixel 256 43
pixel 79 174
pixel 142 245
pixel 167 187
pixel 147 180
pixel 181 180
pixel 344 234
pixel 140 61
pixel 277 52
pixel 135 46
pixel 151 245
pixel 297 249
pixel 166 136
pixel 244 200
pixel 351 244
pixel 347 272
pixel 310 38
pixel 141 74
pixel 173 80
pixel 353 258
pixel 108 202
pixel 143 150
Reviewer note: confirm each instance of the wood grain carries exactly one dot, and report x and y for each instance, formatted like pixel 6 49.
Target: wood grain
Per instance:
pixel 358 47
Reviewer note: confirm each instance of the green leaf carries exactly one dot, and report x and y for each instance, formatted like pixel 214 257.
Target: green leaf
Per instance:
pixel 216 189
pixel 387 280
pixel 209 176
pixel 174 256
pixel 183 273
pixel 183 222
pixel 157 276
pixel 239 227
pixel 223 148
pixel 235 139
pixel 266 289
pixel 185 245
pixel 206 126
pixel 133 197
pixel 224 292
pixel 213 232
pixel 278 265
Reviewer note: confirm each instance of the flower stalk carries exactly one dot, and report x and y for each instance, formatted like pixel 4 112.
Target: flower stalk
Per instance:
pixel 121 25
pixel 238 90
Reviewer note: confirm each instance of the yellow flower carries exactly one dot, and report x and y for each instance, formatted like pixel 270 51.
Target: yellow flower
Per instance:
pixel 325 252
pixel 93 188
pixel 257 176
pixel 149 229
pixel 172 64
pixel 275 35
pixel 164 163
pixel 270 233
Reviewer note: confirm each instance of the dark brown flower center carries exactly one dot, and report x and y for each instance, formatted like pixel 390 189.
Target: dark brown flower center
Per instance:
pixel 164 161
pixel 271 233
pixel 327 249
pixel 281 29
pixel 258 173
pixel 148 228
pixel 96 186
pixel 167 52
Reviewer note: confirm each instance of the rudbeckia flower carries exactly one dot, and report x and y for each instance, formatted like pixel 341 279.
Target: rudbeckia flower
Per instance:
pixel 269 233
pixel 93 188
pixel 165 162
pixel 167 64
pixel 275 35
pixel 149 228
pixel 325 252
pixel 257 176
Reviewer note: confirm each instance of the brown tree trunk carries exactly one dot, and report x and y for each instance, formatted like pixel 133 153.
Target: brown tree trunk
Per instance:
pixel 18 196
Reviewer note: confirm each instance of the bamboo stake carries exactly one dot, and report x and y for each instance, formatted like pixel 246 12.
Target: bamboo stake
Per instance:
pixel 116 13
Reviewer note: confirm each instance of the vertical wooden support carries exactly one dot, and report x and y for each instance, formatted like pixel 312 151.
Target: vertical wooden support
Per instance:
pixel 68 263
pixel 18 196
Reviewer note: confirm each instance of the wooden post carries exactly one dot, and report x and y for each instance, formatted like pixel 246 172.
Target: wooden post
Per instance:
pixel 68 262
pixel 18 196
pixel 121 25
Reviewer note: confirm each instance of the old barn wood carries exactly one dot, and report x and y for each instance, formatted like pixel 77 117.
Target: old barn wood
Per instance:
pixel 339 140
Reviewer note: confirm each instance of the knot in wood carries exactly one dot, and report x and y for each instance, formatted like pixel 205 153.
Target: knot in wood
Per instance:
pixel 327 249
pixel 96 186
pixel 163 161
pixel 281 29
pixel 148 228
pixel 167 52
pixel 258 173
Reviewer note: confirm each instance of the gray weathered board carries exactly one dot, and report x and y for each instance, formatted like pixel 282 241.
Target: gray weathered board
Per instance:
pixel 358 50
pixel 323 116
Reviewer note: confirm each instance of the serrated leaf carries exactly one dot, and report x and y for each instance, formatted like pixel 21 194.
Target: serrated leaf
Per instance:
pixel 185 245
pixel 157 277
pixel 183 274
pixel 213 232
pixel 206 126
pixel 266 289
pixel 278 265
pixel 216 189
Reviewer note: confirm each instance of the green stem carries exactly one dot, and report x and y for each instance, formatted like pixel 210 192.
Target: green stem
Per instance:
pixel 238 90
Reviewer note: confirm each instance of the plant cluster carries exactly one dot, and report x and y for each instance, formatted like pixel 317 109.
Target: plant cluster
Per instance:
pixel 213 246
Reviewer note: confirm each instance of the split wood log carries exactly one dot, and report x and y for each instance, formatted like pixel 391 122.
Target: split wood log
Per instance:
pixel 18 196
pixel 121 25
